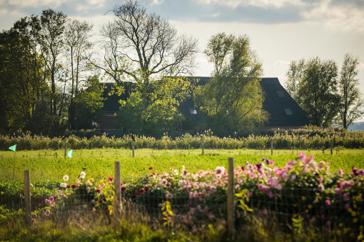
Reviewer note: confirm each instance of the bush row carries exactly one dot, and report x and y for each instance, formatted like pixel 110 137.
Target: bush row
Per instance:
pixel 279 141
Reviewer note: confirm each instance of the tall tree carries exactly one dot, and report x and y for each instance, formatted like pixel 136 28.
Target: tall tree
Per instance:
pixel 350 102
pixel 22 82
pixel 78 43
pixel 218 49
pixel 233 97
pixel 142 45
pixel 294 76
pixel 317 93
pixel 51 41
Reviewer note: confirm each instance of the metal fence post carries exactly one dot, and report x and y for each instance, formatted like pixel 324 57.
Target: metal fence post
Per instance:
pixel 271 147
pixel 230 198
pixel 117 198
pixel 27 196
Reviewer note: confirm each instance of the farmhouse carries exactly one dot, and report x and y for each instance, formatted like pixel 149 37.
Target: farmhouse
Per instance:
pixel 282 109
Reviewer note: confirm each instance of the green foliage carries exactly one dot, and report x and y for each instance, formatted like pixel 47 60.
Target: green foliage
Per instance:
pixel 294 77
pixel 167 213
pixel 153 108
pixel 21 78
pixel 86 104
pixel 317 94
pixel 124 231
pixel 233 98
pixel 311 138
pixel 350 100
pixel 242 198
pixel 11 193
pixel 327 99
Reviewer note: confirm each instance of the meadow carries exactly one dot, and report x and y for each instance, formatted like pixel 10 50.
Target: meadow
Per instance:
pixel 50 165
pixel 168 205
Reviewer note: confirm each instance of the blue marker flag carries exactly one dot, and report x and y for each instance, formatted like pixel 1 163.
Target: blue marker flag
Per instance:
pixel 12 148
pixel 70 153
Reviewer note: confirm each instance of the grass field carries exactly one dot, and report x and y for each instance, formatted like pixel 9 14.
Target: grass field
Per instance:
pixel 50 165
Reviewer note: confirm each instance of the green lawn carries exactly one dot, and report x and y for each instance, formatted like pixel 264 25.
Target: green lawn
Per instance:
pixel 49 165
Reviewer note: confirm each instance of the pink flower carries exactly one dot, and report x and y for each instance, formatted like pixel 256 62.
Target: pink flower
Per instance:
pixel 274 183
pixel 327 202
pixel 343 185
pixel 265 189
pixel 268 162
pixel 259 167
pixel 346 197
pixel 50 201
pixel 302 156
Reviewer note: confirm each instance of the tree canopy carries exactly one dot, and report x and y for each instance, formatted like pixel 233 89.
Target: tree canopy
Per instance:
pixel 233 98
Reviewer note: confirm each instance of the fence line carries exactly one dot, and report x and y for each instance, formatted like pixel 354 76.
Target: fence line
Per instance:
pixel 282 206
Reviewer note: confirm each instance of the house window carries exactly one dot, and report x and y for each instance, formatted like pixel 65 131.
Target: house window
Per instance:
pixel 288 111
pixel 280 94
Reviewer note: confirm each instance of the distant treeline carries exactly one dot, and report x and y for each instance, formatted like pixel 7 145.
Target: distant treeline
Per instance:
pixel 299 139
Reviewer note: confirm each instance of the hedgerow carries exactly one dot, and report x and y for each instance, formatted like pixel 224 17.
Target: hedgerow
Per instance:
pixel 280 140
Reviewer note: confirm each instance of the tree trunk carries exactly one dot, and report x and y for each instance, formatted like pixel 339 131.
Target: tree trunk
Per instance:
pixel 70 108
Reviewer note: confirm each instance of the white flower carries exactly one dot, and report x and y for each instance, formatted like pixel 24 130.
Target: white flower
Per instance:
pixel 175 172
pixel 63 185
pixel 66 178
pixel 220 170
pixel 82 175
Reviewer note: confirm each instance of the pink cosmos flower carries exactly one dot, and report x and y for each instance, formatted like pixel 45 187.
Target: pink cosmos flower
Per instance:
pixel 50 201
pixel 268 162
pixel 302 156
pixel 265 189
pixel 274 183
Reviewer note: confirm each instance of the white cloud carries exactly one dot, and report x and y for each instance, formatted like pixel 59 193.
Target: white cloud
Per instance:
pixel 35 3
pixel 339 17
pixel 96 2
pixel 155 2
pixel 255 3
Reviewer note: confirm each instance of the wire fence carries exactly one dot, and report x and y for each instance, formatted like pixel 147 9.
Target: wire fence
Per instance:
pixel 290 209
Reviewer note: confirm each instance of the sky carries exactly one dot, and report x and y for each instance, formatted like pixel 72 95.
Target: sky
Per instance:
pixel 279 30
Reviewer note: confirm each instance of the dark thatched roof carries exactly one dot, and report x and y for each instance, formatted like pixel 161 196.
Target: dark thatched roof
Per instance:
pixel 282 108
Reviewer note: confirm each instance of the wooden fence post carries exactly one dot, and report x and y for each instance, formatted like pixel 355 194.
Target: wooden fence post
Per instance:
pixel 65 150
pixel 117 198
pixel 132 149
pixel 230 198
pixel 202 145
pixel 27 196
